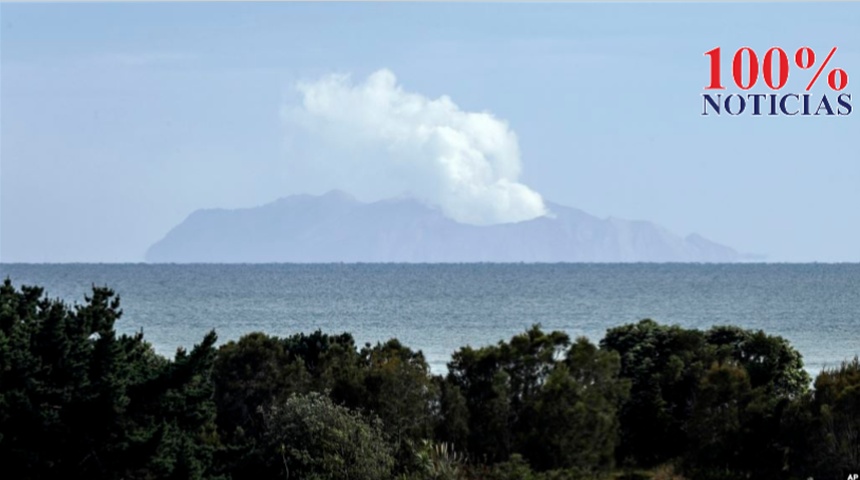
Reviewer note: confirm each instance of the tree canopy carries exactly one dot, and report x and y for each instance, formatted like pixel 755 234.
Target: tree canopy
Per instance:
pixel 78 399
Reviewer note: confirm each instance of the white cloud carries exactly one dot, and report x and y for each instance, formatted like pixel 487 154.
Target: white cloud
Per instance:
pixel 377 135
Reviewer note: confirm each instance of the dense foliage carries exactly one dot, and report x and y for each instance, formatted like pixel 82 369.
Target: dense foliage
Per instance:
pixel 716 399
pixel 78 400
pixel 318 439
pixel 651 401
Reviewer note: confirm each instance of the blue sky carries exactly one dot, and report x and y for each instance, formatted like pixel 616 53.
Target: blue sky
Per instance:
pixel 118 120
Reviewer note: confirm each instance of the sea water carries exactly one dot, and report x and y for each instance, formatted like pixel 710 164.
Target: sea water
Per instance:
pixel 438 308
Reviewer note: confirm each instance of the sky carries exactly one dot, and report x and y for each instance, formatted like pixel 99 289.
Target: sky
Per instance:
pixel 119 120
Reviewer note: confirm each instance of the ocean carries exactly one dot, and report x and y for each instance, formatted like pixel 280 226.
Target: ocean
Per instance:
pixel 437 308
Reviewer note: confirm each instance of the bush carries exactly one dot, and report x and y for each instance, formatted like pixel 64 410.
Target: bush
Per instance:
pixel 318 440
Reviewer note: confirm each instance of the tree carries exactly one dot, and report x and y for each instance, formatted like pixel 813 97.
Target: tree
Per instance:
pixel 664 365
pixel 715 398
pixel 78 400
pixel 553 403
pixel 452 424
pixel 250 372
pixel 574 425
pixel 774 378
pixel 498 382
pixel 396 386
pixel 770 361
pixel 259 371
pixel 716 427
pixel 319 440
pixel 828 425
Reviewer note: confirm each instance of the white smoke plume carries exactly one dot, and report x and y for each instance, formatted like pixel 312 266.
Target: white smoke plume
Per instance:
pixel 465 163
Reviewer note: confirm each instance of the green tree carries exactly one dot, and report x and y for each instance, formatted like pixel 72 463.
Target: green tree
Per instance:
pixel 715 398
pixel 665 365
pixel 249 374
pixel 319 440
pixel 716 427
pixel 827 425
pixel 757 444
pixel 258 371
pixel 498 382
pixel 396 385
pixel 553 403
pixel 770 361
pixel 575 416
pixel 78 400
pixel 388 380
pixel 452 424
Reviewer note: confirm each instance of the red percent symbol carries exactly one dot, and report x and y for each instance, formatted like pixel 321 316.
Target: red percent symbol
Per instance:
pixel 837 79
pixel 804 57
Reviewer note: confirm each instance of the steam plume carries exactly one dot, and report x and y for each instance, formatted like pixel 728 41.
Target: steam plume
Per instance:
pixel 466 163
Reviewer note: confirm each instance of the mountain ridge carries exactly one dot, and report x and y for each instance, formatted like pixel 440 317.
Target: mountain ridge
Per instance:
pixel 336 227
